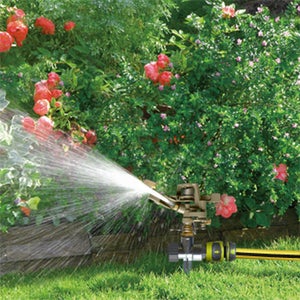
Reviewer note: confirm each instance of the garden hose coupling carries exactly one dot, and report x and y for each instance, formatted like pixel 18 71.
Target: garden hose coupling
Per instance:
pixel 211 252
pixel 219 251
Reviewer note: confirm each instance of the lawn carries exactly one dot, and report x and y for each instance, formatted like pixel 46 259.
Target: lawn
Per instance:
pixel 153 277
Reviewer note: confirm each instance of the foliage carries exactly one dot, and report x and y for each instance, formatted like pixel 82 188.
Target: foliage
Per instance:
pixel 153 277
pixel 91 53
pixel 241 89
pixel 227 122
pixel 28 193
pixel 233 117
pixel 18 177
pixel 88 58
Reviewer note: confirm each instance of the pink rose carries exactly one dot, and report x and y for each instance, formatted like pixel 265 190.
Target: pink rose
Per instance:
pixel 165 78
pixel 56 93
pixel 44 127
pixel 281 172
pixel 6 41
pixel 228 12
pixel 162 60
pixel 41 107
pixel 18 30
pixel 151 71
pixel 45 24
pixel 53 80
pixel 42 91
pixel 226 207
pixel 69 26
pixel 19 14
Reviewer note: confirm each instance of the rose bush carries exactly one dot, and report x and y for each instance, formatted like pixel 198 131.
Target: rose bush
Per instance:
pixel 18 176
pixel 230 118
pixel 222 114
pixel 235 105
pixel 27 147
pixel 78 53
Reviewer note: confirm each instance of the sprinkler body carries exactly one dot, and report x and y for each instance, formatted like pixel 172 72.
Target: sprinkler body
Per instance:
pixel 192 206
pixel 188 202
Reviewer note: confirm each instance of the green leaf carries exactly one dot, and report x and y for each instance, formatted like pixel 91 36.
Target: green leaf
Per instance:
pixel 262 219
pixel 6 176
pixel 250 203
pixel 33 203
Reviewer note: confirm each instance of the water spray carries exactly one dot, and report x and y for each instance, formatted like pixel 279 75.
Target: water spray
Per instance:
pixel 192 205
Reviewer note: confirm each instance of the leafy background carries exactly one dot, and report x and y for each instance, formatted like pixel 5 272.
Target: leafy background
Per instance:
pixel 233 115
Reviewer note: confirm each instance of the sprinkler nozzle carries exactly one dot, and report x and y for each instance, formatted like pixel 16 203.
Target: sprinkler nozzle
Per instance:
pixel 162 200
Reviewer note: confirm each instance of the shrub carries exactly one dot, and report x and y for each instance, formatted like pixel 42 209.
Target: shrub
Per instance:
pixel 88 57
pixel 82 45
pixel 231 120
pixel 223 115
pixel 18 176
pixel 235 107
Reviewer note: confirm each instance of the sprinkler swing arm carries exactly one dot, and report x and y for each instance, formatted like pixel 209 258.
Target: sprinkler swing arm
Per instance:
pixel 192 206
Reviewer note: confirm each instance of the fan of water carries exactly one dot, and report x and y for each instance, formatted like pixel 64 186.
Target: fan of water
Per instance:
pixel 71 181
pixel 73 171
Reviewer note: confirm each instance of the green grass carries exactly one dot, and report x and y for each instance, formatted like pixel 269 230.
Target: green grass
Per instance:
pixel 153 277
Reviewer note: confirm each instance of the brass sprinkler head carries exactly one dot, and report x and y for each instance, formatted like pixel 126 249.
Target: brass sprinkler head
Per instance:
pixel 187 201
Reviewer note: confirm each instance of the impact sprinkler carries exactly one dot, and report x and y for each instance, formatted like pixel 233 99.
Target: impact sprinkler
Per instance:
pixel 192 205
